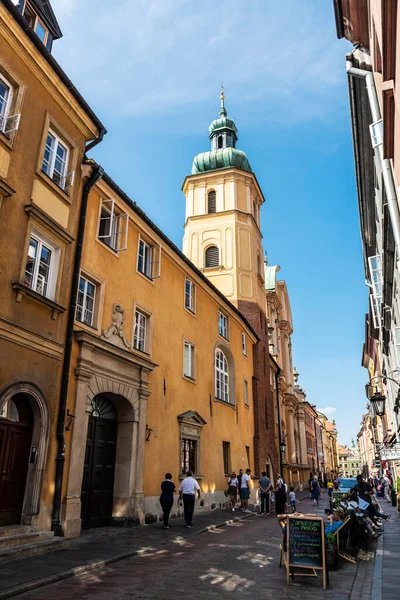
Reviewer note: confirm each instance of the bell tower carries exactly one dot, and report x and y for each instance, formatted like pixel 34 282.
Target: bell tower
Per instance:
pixel 222 226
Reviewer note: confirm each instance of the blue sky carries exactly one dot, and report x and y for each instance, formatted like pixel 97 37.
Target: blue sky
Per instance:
pixel 151 70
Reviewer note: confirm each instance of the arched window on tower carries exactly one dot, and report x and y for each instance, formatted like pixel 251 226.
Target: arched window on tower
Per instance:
pixel 212 257
pixel 212 202
pixel 220 142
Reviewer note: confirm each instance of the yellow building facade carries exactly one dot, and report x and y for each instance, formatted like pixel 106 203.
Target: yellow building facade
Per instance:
pixel 45 129
pixel 148 357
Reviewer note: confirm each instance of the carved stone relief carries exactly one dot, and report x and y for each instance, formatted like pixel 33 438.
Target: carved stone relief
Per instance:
pixel 115 333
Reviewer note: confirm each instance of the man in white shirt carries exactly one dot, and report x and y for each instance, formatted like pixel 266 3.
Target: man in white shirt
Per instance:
pixel 187 490
pixel 245 490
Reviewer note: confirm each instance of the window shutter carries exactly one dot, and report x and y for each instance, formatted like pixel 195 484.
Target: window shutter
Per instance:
pixel 155 262
pixel 68 180
pixel 106 219
pixel 11 124
pixel 212 202
pixel 121 228
pixel 212 257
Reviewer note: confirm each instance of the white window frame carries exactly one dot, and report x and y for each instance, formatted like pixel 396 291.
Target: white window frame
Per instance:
pixel 64 180
pixel 221 376
pixel 223 325
pixel 151 258
pixel 85 295
pixel 246 393
pixel 189 360
pixel 53 267
pixel 8 123
pixel 376 295
pixel 190 296
pixel 116 229
pixel 244 344
pixel 144 325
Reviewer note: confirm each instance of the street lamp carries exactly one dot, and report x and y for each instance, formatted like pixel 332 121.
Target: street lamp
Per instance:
pixel 378 404
pixel 283 446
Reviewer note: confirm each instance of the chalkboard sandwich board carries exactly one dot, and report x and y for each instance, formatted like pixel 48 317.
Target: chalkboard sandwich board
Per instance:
pixel 306 546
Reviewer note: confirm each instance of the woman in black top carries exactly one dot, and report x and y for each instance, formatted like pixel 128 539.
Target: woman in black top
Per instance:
pixel 167 497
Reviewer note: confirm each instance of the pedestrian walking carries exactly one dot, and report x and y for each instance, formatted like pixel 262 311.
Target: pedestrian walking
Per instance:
pixel 233 484
pixel 245 490
pixel 187 490
pixel 315 490
pixel 280 496
pixel 167 498
pixel 292 499
pixel 330 488
pixel 386 485
pixel 264 486
pixel 240 475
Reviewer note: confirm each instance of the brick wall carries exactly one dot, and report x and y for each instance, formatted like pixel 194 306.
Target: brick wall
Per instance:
pixel 265 443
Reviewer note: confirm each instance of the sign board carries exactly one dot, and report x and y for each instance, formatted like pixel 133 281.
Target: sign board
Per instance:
pixel 306 546
pixel 392 453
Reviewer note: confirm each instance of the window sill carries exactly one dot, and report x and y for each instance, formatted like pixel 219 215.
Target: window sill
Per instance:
pixel 107 247
pixel 182 476
pixel 90 328
pixel 190 379
pixel 141 352
pixel 55 188
pixel 21 291
pixel 191 312
pixel 145 277
pixel 8 141
pixel 223 337
pixel 225 403
pixel 217 268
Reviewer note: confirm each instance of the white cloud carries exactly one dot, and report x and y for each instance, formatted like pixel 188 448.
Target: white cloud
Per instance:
pixel 143 57
pixel 328 410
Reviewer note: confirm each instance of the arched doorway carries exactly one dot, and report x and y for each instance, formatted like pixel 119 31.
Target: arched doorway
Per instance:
pixel 97 493
pixel 16 426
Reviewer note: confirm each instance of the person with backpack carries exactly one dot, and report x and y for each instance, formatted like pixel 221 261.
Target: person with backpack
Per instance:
pixel 315 490
pixel 280 496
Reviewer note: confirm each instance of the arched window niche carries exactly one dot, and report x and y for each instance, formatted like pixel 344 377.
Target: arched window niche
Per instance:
pixel 224 374
pixel 211 257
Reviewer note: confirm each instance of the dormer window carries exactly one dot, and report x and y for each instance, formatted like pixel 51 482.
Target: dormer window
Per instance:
pixel 36 24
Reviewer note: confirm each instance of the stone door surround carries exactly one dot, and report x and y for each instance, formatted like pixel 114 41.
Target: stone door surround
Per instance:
pixel 122 375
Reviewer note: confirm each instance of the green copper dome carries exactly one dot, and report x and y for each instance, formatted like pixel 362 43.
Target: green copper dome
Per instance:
pixel 223 153
pixel 222 123
pixel 220 159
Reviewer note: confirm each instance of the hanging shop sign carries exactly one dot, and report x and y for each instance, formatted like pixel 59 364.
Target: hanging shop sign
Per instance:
pixel 391 453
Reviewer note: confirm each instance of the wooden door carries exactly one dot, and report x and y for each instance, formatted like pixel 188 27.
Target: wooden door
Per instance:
pixel 15 443
pixel 98 474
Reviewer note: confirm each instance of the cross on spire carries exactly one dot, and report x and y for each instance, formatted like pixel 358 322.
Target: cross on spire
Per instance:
pixel 222 110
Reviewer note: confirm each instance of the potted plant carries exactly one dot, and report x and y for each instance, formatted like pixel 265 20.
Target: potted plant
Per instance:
pixel 331 552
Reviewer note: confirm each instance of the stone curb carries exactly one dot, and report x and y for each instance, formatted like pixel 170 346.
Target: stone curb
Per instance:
pixel 30 586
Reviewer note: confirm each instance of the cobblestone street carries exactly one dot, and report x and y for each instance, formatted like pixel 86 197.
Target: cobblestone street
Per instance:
pixel 240 558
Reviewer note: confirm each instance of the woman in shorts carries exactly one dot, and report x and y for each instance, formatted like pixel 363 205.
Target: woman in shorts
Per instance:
pixel 233 484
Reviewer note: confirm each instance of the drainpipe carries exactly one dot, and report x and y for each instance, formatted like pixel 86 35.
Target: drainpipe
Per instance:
pixel 387 173
pixel 278 372
pixel 97 173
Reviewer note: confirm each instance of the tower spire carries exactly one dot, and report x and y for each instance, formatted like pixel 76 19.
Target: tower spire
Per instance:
pixel 222 110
